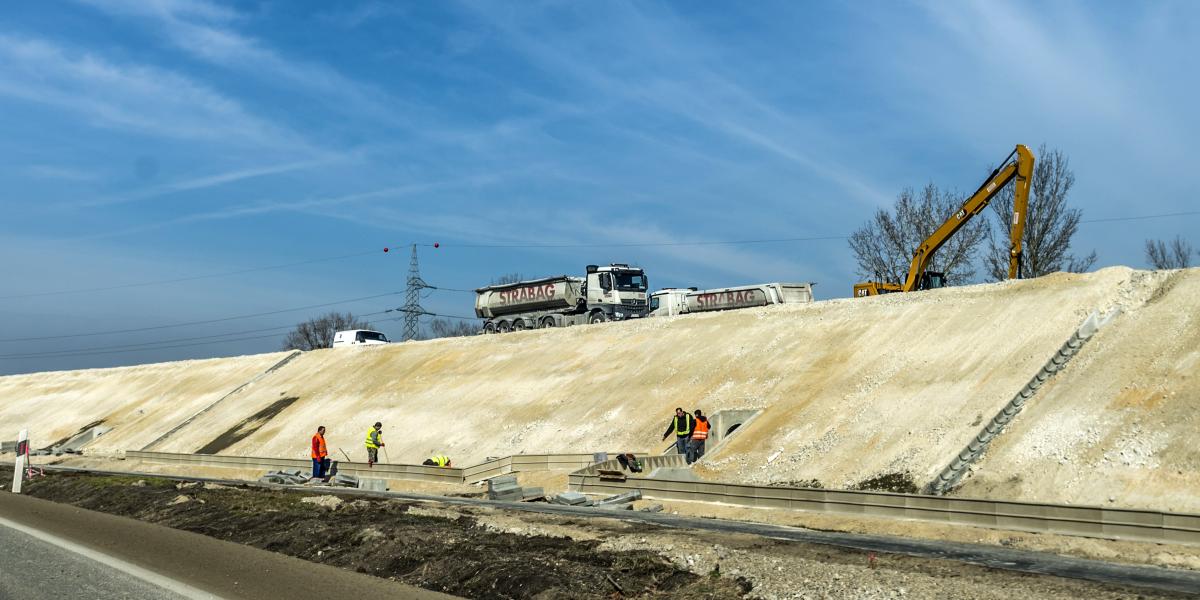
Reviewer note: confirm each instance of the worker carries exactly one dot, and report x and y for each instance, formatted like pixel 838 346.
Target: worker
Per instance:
pixel 682 424
pixel 319 453
pixel 437 460
pixel 374 443
pixel 699 436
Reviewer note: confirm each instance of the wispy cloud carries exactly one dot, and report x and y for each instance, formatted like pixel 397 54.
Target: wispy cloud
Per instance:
pixel 675 82
pixel 131 97
pixel 205 31
pixel 62 173
pixel 207 181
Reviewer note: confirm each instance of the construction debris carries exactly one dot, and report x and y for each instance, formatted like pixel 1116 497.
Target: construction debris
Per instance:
pixel 570 499
pixel 504 488
pixel 296 477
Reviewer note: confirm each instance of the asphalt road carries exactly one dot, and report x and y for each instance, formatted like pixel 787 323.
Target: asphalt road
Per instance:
pixel 55 551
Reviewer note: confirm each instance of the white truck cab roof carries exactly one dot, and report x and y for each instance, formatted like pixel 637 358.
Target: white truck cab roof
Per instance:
pixel 358 337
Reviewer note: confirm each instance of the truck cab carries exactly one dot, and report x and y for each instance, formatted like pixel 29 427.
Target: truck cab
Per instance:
pixel 669 302
pixel 616 292
pixel 358 337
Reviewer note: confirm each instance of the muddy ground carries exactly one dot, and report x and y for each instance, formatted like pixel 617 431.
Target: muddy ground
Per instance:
pixel 383 538
pixel 483 552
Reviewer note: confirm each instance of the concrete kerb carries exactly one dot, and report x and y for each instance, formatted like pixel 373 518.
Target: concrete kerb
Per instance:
pixel 1085 521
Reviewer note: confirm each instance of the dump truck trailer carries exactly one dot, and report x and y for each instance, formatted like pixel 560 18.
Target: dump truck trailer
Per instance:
pixel 606 293
pixel 677 301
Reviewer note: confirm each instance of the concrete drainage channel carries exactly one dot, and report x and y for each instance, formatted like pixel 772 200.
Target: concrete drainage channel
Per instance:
pixel 1007 559
pixel 608 479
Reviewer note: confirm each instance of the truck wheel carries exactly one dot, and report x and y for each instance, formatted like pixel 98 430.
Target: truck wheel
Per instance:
pixel 519 325
pixel 489 328
pixel 504 327
pixel 597 317
pixel 547 323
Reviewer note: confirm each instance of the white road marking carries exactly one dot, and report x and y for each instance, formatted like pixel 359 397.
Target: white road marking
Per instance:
pixel 146 575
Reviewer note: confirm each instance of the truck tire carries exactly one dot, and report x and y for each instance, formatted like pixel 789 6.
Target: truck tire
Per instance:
pixel 546 323
pixel 504 327
pixel 489 328
pixel 519 325
pixel 597 317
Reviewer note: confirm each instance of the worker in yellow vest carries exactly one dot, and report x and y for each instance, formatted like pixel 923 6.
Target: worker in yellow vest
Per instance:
pixel 374 443
pixel 699 436
pixel 437 460
pixel 683 425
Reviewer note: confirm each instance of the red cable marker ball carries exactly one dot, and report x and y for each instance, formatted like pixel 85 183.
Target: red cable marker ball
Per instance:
pixel 385 250
pixel 435 244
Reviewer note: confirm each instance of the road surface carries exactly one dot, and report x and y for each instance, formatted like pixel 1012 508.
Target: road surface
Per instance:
pixel 53 551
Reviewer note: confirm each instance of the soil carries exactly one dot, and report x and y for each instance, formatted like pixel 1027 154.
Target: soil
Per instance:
pixel 247 427
pixel 387 539
pixel 495 553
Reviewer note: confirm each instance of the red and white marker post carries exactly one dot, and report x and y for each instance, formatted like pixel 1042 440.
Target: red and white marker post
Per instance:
pixel 22 458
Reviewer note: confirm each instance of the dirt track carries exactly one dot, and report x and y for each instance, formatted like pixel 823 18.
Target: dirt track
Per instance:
pixel 480 552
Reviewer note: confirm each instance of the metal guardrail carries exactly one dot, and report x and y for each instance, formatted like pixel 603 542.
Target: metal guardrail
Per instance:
pixel 1086 521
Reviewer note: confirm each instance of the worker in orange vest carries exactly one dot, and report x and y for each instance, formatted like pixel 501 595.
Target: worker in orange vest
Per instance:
pixel 319 454
pixel 699 435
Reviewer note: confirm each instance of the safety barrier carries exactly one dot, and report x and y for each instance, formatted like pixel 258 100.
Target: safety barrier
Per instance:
pixel 953 472
pixel 1087 521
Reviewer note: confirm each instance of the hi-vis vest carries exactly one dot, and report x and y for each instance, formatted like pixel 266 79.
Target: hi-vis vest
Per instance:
pixel 373 438
pixel 701 432
pixel 681 425
pixel 440 460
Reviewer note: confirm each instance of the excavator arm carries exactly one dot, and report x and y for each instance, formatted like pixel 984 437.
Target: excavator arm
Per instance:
pixel 1019 167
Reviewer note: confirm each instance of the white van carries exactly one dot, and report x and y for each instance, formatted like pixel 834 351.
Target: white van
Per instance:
pixel 358 337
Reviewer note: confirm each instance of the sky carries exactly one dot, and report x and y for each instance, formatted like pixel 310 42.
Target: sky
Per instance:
pixel 169 165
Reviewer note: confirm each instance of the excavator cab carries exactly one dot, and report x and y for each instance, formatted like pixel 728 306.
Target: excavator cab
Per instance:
pixel 931 280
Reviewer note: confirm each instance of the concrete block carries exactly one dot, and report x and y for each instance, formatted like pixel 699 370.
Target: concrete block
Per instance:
pixel 621 498
pixel 570 499
pixel 532 492
pixel 374 485
pixel 504 481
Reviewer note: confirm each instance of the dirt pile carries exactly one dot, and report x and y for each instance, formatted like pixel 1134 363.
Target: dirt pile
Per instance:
pixel 849 391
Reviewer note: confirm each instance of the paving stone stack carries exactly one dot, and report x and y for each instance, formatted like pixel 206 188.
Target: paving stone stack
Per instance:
pixel 504 488
pixel 297 477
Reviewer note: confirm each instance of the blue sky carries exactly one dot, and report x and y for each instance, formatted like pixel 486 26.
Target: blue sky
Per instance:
pixel 148 140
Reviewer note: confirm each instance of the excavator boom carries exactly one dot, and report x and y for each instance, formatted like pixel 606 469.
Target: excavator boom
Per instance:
pixel 1019 167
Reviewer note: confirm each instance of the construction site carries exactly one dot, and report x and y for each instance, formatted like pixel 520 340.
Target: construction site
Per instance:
pixel 926 421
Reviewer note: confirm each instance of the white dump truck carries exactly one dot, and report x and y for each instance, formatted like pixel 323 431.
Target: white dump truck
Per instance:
pixel 677 301
pixel 612 293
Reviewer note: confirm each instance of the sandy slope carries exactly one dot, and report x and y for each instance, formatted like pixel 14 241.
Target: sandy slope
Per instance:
pixel 849 389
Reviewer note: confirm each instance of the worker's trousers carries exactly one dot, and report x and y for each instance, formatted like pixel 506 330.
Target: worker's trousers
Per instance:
pixel 695 451
pixel 681 444
pixel 318 468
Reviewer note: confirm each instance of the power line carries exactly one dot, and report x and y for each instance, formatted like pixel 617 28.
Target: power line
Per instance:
pixel 191 278
pixel 202 322
pixel 256 337
pixel 151 345
pixel 1143 217
pixel 653 244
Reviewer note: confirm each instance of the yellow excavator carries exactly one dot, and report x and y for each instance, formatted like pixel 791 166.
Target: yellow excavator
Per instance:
pixel 1018 166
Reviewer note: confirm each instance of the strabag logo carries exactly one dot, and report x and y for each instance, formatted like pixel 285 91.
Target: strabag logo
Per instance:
pixel 526 294
pixel 732 299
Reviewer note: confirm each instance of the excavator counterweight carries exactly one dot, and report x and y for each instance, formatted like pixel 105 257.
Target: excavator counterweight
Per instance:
pixel 1018 167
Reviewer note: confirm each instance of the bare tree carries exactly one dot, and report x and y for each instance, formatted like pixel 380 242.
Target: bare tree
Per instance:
pixel 1049 223
pixel 1177 254
pixel 318 332
pixel 508 278
pixel 883 247
pixel 443 328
